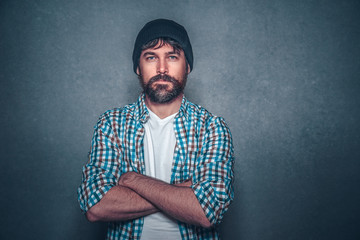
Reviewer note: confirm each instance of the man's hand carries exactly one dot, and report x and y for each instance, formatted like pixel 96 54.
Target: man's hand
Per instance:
pixel 128 178
pixel 187 183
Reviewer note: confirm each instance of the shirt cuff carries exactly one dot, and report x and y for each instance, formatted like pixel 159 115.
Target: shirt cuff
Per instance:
pixel 94 197
pixel 205 194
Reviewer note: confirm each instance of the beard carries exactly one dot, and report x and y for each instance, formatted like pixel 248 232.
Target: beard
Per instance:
pixel 163 93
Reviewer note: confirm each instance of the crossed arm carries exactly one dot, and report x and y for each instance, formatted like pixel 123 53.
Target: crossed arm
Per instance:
pixel 138 195
pixel 106 197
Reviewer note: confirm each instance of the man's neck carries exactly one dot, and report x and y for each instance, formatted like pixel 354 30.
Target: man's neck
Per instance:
pixel 163 110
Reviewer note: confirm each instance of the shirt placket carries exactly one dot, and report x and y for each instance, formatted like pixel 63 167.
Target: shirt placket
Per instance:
pixel 179 151
pixel 139 148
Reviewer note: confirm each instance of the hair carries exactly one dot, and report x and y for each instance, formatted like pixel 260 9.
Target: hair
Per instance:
pixel 162 41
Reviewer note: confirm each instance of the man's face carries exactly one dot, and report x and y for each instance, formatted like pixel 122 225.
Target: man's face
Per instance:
pixel 162 72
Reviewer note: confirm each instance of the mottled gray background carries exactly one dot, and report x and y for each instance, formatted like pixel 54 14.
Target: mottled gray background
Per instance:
pixel 284 75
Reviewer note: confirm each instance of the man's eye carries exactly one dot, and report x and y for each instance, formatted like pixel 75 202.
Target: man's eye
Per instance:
pixel 173 57
pixel 150 58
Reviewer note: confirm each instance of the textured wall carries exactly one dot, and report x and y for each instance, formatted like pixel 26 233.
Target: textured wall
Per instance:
pixel 284 74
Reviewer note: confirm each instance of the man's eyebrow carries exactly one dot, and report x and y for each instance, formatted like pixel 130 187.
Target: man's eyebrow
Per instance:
pixel 148 53
pixel 173 52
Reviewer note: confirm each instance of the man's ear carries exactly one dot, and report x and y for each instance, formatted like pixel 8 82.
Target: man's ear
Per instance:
pixel 138 71
pixel 188 68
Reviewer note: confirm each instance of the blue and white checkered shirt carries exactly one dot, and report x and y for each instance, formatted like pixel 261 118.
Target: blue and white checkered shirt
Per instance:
pixel 203 153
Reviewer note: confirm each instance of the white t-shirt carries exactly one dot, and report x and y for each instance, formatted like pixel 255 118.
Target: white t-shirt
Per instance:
pixel 159 144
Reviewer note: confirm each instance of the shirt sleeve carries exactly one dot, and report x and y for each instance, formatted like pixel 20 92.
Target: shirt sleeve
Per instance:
pixel 101 172
pixel 213 176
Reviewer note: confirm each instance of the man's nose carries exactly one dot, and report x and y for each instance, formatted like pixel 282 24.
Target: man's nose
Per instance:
pixel 162 67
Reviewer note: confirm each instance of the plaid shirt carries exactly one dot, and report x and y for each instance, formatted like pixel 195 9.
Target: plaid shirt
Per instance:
pixel 203 152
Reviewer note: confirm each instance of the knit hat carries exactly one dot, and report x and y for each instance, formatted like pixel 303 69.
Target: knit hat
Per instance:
pixel 162 28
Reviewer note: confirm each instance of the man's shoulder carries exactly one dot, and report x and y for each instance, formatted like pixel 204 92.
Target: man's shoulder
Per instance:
pixel 196 112
pixel 118 114
pixel 204 121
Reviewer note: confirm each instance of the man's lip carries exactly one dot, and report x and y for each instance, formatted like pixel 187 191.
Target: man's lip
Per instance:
pixel 161 80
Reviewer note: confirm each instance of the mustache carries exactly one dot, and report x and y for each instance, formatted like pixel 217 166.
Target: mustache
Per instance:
pixel 163 77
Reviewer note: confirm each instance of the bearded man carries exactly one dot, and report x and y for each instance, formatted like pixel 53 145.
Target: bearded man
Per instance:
pixel 161 168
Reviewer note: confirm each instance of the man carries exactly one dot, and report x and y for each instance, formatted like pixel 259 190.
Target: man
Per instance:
pixel 160 168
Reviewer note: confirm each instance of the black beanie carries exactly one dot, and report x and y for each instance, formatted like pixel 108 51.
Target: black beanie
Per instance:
pixel 162 28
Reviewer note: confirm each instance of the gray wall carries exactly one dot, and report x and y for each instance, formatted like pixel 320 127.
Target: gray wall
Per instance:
pixel 284 74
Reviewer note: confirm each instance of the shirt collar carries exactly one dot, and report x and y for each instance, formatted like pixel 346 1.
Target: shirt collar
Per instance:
pixel 141 113
pixel 183 111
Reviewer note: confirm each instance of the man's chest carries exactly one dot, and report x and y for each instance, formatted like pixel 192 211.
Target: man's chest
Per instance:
pixel 186 151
